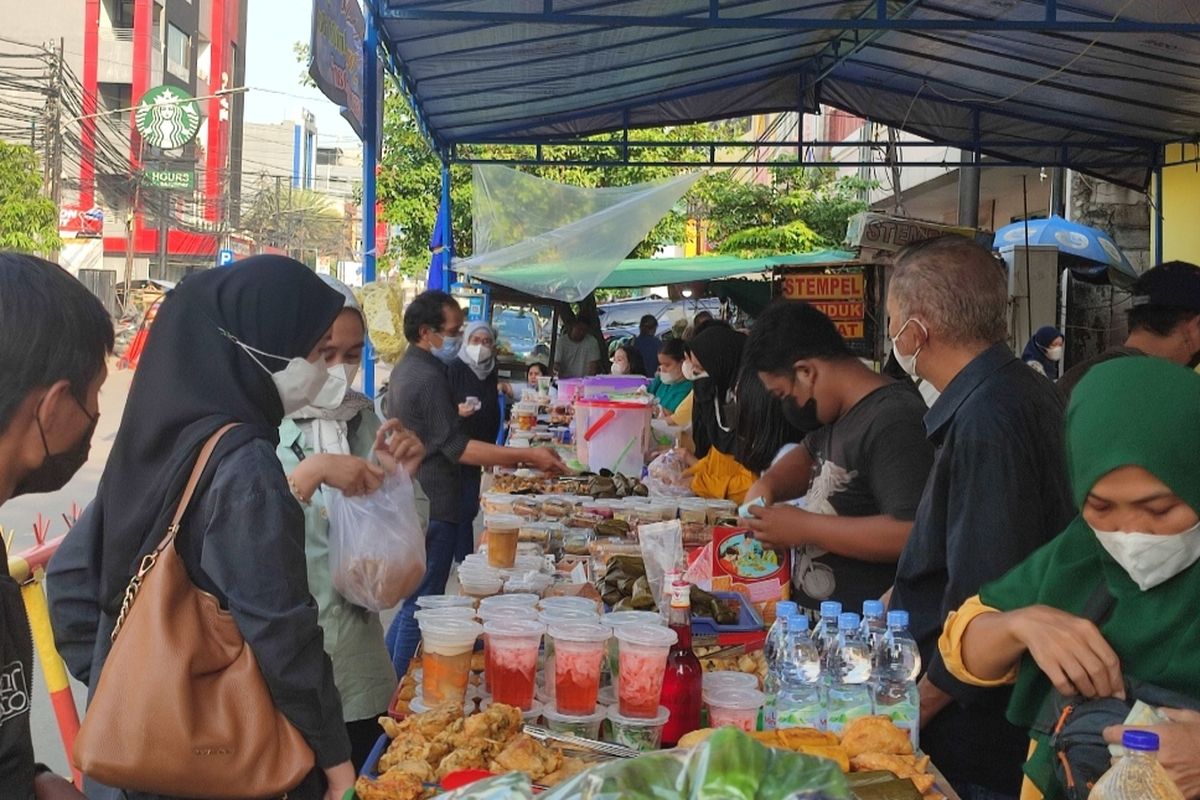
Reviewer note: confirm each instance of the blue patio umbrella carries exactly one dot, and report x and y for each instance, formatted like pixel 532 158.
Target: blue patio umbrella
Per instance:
pixel 439 253
pixel 1090 253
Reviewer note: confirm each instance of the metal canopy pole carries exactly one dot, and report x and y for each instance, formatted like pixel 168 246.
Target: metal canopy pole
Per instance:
pixel 968 182
pixel 1158 215
pixel 370 126
pixel 1058 191
pixel 447 229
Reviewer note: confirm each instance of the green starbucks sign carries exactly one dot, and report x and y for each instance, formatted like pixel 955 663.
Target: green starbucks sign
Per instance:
pixel 167 117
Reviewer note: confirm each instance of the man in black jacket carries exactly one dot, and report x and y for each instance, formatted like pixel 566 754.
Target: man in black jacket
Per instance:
pixel 55 338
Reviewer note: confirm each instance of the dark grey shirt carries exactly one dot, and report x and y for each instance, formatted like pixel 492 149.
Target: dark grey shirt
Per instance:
pixel 419 395
pixel 243 542
pixel 997 492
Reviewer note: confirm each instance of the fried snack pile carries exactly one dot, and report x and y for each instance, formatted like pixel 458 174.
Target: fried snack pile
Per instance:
pixel 427 747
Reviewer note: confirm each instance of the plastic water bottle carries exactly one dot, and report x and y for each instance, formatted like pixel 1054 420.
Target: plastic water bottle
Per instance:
pixel 850 681
pixel 775 653
pixel 1137 775
pixel 801 701
pixel 826 633
pixel 896 671
pixel 874 628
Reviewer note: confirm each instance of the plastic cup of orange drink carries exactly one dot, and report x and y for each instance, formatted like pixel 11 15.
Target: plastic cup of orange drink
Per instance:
pixel 578 652
pixel 503 532
pixel 510 649
pixel 643 662
pixel 447 644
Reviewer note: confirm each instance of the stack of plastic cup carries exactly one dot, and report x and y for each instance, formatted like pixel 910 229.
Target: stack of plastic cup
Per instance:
pixel 444 600
pixel 616 619
pixel 507 604
pixel 734 706
pixel 578 651
pixel 446 612
pixel 447 645
pixel 511 654
pixel 566 603
pixel 638 733
pixel 643 661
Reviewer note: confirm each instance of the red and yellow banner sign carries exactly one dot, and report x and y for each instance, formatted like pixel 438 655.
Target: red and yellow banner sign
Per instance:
pixel 838 296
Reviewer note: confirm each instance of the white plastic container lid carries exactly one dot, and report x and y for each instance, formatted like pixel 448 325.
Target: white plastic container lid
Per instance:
pixel 455 635
pixel 646 635
pixel 568 602
pixel 658 720
pixel 579 632
pixel 615 619
pixel 418 706
pixel 736 698
pixel 443 601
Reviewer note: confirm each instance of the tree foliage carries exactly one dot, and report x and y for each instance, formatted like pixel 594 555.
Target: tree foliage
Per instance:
pixel 297 221
pixel 28 221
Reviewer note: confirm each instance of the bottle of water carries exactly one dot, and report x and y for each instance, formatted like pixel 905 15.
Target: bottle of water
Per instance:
pixel 850 683
pixel 826 633
pixel 775 653
pixel 801 702
pixel 1138 775
pixel 896 671
pixel 874 628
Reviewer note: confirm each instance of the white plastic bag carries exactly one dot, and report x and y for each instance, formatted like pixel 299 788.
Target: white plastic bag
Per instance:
pixel 376 545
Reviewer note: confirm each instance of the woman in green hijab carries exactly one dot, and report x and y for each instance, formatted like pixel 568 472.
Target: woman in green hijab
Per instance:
pixel 1133 450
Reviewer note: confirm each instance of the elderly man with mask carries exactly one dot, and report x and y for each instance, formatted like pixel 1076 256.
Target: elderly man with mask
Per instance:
pixel 55 343
pixel 998 489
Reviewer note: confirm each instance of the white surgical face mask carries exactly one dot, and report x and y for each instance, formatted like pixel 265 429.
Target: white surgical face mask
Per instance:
pixel 479 353
pixel 691 373
pixel 907 363
pixel 1150 559
pixel 298 384
pixel 619 368
pixel 1054 353
pixel 333 393
pixel 669 378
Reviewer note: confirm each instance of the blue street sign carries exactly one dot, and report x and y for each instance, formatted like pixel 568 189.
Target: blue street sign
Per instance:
pixel 224 258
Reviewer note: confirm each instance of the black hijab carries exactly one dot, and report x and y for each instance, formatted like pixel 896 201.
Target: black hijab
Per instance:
pixel 191 381
pixel 719 349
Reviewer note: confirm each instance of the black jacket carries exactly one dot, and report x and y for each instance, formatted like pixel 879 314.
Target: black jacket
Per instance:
pixel 16 685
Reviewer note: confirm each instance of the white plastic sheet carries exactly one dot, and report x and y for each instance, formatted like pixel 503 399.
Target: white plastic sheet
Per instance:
pixel 557 241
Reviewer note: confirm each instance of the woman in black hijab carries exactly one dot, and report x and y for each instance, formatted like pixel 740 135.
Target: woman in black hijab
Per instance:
pixel 228 346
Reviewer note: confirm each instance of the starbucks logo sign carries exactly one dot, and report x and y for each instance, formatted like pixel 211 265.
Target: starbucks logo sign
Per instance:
pixel 167 117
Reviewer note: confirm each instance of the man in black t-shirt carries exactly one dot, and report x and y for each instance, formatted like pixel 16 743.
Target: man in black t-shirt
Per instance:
pixel 861 473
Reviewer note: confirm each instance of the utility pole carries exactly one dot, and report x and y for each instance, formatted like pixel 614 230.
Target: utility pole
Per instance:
pixel 278 208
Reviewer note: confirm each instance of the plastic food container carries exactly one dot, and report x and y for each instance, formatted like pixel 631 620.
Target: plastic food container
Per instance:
pixel 585 727
pixel 528 583
pixel 446 612
pixel 693 511
pixel 488 605
pixel 727 679
pixel 615 619
pixel 525 415
pixel 498 503
pixel 734 706
pixel 578 541
pixel 446 648
pixel 719 510
pixel 511 649
pixel 444 600
pixel 569 603
pixel 418 706
pixel 578 651
pixel 503 532
pixel 558 507
pixel 643 660
pixel 538 532
pixel 636 733
pixel 479 583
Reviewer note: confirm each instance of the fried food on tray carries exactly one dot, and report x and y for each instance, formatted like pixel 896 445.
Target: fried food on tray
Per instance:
pixel 470 757
pixel 408 747
pixel 569 769
pixel 393 785
pixel 902 766
pixel 795 738
pixel 524 754
pixel 436 720
pixel 497 724
pixel 875 735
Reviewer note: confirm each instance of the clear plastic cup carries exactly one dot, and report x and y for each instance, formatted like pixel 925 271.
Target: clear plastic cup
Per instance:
pixel 507 603
pixel 418 706
pixel 578 651
pixel 567 602
pixel 643 661
pixel 735 706
pixel 498 503
pixel 585 727
pixel 477 584
pixel 510 660
pixel 447 645
pixel 614 620
pixel 503 531
pixel 638 733
pixel 448 612
pixel 727 679
pixel 443 600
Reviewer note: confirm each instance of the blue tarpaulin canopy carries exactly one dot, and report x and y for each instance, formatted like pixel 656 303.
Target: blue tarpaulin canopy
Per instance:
pixel 1097 85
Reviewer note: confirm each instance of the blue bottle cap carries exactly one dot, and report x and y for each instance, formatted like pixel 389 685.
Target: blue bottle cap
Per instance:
pixel 831 608
pixel 872 608
pixel 897 619
pixel 785 609
pixel 848 621
pixel 1144 741
pixel 798 621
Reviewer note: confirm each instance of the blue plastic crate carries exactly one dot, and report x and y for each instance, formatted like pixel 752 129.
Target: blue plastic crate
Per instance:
pixel 747 630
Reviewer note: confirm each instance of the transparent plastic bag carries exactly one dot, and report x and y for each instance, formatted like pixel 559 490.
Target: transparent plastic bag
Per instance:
pixel 662 552
pixel 376 545
pixel 667 475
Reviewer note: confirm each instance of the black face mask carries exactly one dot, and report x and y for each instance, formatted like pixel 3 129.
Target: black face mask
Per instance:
pixel 802 418
pixel 58 468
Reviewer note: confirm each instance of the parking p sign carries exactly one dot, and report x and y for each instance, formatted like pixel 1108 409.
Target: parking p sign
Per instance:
pixel 224 258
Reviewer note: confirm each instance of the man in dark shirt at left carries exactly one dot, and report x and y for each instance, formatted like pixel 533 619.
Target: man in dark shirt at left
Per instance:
pixel 419 395
pixel 55 339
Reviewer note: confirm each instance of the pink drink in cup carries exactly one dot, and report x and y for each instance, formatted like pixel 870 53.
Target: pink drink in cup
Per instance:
pixel 511 648
pixel 578 651
pixel 734 706
pixel 643 661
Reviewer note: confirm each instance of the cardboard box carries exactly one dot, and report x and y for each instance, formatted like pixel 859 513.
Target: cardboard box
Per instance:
pixel 740 563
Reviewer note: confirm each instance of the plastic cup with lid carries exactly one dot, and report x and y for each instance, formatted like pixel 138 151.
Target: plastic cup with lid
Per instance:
pixel 447 645
pixel 642 662
pixel 566 602
pixel 443 600
pixel 510 659
pixel 519 600
pixel 578 651
pixel 448 612
pixel 586 726
pixel 638 733
pixel 614 620
pixel 503 532
pixel 735 706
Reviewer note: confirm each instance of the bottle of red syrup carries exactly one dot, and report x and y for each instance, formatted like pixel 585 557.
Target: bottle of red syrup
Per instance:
pixel 684 677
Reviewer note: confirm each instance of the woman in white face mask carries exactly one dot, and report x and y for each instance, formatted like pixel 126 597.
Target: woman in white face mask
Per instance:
pixel 476 387
pixel 338 441
pixel 1044 351
pixel 1111 602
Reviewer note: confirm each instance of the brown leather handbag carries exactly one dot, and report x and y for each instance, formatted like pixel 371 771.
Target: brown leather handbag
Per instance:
pixel 181 707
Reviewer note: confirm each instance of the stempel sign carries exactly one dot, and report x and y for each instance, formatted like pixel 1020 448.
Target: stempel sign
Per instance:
pixel 839 296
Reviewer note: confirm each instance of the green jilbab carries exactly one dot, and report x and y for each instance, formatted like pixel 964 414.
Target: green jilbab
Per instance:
pixel 1131 411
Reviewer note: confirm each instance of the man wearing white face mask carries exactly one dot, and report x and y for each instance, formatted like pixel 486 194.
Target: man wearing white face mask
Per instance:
pixel 997 490
pixel 1107 610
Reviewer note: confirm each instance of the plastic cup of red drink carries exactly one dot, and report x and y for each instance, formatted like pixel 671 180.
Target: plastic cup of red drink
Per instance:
pixel 616 619
pixel 447 645
pixel 734 706
pixel 578 651
pixel 643 661
pixel 510 649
